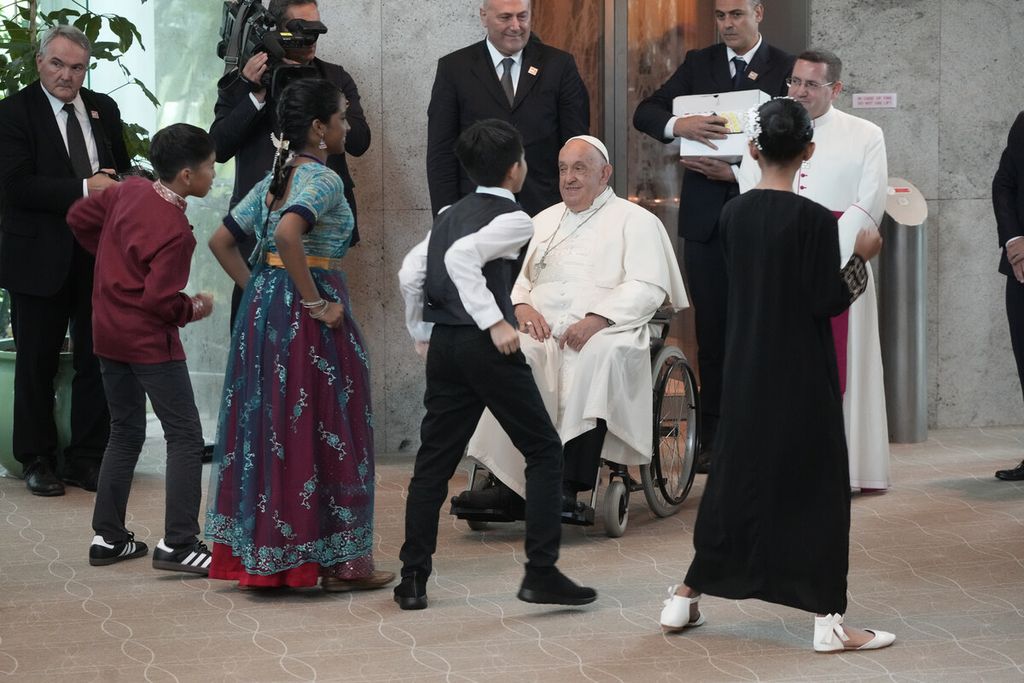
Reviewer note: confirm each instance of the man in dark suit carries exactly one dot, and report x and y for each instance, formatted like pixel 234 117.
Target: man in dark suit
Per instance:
pixel 742 61
pixel 245 116
pixel 1008 202
pixel 58 143
pixel 506 76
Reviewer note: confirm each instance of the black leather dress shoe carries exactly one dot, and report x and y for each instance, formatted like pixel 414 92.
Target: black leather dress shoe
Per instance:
pixel 41 481
pixel 85 474
pixel 1016 474
pixel 549 586
pixel 411 593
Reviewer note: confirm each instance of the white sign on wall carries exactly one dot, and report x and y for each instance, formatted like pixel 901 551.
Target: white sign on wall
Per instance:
pixel 867 100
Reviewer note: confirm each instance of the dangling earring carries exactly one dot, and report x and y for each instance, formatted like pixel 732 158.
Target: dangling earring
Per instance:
pixel 322 145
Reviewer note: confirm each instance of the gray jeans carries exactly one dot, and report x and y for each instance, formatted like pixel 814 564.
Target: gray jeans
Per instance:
pixel 170 391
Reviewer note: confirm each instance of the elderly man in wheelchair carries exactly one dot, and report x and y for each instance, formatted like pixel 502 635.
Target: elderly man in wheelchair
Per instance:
pixel 596 272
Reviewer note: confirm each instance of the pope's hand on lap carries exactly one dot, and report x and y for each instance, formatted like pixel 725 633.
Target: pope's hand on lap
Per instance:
pixel 579 333
pixel 531 322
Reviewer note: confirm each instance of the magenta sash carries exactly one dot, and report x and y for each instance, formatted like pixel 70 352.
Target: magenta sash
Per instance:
pixel 840 335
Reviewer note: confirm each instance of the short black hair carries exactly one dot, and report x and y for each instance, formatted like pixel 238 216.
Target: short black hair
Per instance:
pixel 833 65
pixel 178 146
pixel 488 149
pixel 277 8
pixel 786 129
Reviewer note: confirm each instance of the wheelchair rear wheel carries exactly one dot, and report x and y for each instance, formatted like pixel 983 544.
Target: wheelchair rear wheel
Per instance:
pixel 669 476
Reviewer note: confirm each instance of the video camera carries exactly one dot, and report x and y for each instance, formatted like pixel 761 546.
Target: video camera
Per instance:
pixel 248 28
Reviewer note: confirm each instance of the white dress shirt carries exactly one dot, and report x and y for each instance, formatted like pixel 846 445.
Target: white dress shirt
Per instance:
pixel 517 64
pixel 503 237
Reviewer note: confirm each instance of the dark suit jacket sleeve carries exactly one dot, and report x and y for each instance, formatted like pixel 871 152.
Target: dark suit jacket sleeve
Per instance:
pixel 573 104
pixel 20 182
pixel 1007 188
pixel 443 129
pixel 357 141
pixel 653 113
pixel 235 116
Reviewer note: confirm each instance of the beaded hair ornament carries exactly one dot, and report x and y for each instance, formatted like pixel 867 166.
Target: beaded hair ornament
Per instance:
pixel 280 146
pixel 752 127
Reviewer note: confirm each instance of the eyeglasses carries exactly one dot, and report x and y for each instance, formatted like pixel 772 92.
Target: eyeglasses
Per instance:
pixel 810 85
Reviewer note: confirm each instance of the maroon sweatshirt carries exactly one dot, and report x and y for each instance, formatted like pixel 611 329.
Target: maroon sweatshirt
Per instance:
pixel 143 245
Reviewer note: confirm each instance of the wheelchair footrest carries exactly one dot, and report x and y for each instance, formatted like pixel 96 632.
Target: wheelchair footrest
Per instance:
pixel 583 515
pixel 484 514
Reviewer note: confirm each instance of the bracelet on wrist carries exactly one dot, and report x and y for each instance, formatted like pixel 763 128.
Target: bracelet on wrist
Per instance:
pixel 319 311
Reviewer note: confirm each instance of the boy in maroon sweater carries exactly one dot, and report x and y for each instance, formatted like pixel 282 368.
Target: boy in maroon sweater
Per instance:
pixel 143 245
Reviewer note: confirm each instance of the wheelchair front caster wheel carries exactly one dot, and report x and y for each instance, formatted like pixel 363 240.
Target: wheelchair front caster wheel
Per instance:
pixel 616 509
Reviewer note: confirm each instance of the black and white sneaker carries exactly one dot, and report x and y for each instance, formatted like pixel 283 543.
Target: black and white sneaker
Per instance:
pixel 102 553
pixel 194 558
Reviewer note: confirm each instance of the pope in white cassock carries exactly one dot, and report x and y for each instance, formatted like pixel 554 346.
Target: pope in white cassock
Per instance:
pixel 848 175
pixel 596 271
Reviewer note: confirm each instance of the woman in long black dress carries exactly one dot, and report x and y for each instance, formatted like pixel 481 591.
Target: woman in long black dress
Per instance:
pixel 774 521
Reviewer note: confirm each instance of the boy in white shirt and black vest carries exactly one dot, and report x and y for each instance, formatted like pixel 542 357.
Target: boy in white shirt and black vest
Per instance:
pixel 456 286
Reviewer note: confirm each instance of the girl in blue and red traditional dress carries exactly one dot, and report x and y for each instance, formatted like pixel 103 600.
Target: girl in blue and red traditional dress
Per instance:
pixel 291 494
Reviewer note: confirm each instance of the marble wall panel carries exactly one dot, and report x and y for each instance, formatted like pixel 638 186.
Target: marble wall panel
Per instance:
pixel 977 379
pixel 353 40
pixel 889 46
pixel 979 54
pixel 412 43
pixel 405 370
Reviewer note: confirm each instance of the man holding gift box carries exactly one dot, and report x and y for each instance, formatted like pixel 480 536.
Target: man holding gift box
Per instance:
pixel 742 61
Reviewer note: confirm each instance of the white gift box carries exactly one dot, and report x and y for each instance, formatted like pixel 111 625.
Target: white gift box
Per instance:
pixel 730 105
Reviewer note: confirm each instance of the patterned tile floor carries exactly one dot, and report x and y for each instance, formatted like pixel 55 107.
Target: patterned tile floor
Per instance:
pixel 939 560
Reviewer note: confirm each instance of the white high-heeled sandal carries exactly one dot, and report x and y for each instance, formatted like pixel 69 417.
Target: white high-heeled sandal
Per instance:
pixel 675 616
pixel 829 636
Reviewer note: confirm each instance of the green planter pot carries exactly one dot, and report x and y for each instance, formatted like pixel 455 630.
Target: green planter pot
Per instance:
pixel 61 406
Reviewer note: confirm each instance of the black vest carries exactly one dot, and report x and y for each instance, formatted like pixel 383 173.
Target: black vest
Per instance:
pixel 465 217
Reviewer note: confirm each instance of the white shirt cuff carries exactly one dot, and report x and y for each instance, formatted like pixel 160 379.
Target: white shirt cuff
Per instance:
pixel 670 127
pixel 85 189
pixel 256 103
pixel 1012 239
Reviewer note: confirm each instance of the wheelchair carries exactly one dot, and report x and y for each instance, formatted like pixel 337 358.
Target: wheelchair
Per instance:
pixel 665 481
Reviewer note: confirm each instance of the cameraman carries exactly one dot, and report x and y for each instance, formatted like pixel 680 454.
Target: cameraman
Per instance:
pixel 244 118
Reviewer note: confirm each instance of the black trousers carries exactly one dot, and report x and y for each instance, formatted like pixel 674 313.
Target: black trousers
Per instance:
pixel 583 459
pixel 170 391
pixel 1015 316
pixel 465 374
pixel 40 325
pixel 705 274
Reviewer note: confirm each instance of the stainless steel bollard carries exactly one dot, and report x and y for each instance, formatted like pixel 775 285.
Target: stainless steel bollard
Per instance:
pixel 903 312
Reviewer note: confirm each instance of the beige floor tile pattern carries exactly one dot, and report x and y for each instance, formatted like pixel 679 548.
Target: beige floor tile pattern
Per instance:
pixel 939 559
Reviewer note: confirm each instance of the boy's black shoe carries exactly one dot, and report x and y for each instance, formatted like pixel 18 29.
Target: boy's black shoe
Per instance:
pixel 103 553
pixel 411 593
pixel 548 586
pixel 193 558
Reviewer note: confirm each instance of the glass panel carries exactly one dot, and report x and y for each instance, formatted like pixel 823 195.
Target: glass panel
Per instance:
pixel 181 67
pixel 577 26
pixel 659 34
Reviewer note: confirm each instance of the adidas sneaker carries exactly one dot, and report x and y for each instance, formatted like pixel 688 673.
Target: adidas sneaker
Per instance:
pixel 103 553
pixel 194 558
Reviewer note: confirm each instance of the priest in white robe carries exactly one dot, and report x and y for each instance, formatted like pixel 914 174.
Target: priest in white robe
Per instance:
pixel 848 174
pixel 595 272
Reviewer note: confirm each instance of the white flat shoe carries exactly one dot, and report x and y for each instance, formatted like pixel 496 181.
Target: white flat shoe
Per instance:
pixel 829 636
pixel 675 616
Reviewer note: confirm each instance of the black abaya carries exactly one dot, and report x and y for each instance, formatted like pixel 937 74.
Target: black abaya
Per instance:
pixel 774 520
